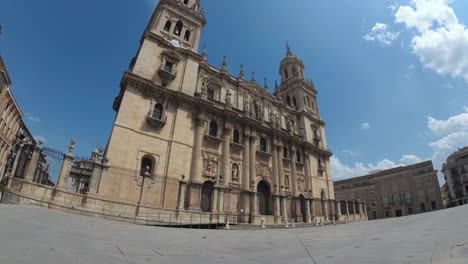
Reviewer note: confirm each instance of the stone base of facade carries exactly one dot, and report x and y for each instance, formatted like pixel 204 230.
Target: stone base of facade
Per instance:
pixel 28 193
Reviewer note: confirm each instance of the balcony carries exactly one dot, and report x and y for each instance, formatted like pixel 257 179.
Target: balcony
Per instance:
pixel 167 73
pixel 154 121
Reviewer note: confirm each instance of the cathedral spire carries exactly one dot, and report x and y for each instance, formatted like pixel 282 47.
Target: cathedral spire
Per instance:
pixel 265 84
pixel 224 65
pixel 241 74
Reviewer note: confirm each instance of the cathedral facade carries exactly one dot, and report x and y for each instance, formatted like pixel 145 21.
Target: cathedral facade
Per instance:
pixel 228 143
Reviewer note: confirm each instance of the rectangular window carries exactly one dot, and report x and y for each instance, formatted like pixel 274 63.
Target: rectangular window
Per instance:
pixel 433 205
pixel 373 203
pixel 211 94
pixel 168 67
pixel 423 207
pixel 410 210
pixel 2 81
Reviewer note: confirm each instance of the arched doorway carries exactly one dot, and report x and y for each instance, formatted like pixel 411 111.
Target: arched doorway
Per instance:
pixel 264 198
pixel 303 208
pixel 206 196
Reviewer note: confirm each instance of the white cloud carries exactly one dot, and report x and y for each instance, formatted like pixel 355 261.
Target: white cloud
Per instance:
pixel 32 118
pixel 40 138
pixel 365 126
pixel 342 171
pixel 452 134
pixel 457 123
pixel 349 152
pixel 440 40
pixel 380 33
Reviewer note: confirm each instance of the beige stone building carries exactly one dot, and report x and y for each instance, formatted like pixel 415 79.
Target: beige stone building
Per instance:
pixel 455 172
pixel 396 192
pixel 10 118
pixel 179 116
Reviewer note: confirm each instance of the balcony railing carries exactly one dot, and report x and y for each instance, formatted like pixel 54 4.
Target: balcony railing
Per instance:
pixel 154 121
pixel 167 73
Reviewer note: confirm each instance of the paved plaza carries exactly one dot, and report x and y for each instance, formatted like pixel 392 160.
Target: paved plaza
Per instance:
pixel 38 235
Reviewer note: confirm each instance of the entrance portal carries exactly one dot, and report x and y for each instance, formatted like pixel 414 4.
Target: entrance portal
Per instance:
pixel 398 213
pixel 206 196
pixel 264 198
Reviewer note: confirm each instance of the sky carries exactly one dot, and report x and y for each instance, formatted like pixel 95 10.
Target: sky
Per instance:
pixel 392 76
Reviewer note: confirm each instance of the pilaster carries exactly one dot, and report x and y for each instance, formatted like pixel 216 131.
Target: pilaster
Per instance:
pixel 293 171
pixel 226 154
pixel 197 163
pixel 33 163
pixel 182 191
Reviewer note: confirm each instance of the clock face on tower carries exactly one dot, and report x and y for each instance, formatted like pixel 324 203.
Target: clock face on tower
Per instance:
pixel 175 43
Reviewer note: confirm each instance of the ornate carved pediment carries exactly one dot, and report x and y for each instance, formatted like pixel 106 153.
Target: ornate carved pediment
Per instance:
pixel 172 55
pixel 210 168
pixel 263 171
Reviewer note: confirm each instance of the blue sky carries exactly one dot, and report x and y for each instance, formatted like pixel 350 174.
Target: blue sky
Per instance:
pixel 392 75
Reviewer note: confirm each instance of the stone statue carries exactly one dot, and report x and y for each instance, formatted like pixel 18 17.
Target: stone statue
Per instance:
pixel 228 97
pixel 210 168
pixel 246 104
pixel 235 172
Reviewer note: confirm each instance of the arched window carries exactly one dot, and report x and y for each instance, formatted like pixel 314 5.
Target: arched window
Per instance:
pixel 168 25
pixel 263 145
pixel 178 28
pixel 185 2
pixel 288 100
pixel 294 102
pixel 235 136
pixel 187 35
pixel 286 73
pixel 256 110
pixel 213 129
pixel 146 165
pixel 158 111
pixel 285 152
pixel 298 156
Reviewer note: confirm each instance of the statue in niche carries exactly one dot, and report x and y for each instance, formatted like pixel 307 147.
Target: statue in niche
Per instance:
pixel 235 172
pixel 272 117
pixel 228 97
pixel 246 104
pixel 286 181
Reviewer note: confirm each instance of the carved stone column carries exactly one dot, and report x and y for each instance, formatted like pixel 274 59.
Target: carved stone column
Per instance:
pixel 197 162
pixel 276 187
pixel 307 209
pixel 338 210
pixel 214 200
pixel 33 163
pixel 361 211
pixel 347 209
pixel 284 207
pixel 246 162
pixel 312 208
pixel 293 171
pixel 221 193
pixel 308 177
pixel 254 204
pixel 282 184
pixel 182 190
pixel 226 154
pixel 253 158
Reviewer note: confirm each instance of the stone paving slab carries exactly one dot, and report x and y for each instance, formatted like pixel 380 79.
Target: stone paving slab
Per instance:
pixel 38 235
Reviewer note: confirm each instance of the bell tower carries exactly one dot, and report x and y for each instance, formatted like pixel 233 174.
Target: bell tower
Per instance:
pixel 179 22
pixel 300 94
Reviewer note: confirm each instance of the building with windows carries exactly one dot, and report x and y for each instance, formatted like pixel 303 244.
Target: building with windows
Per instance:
pixel 234 146
pixel 10 118
pixel 395 192
pixel 455 172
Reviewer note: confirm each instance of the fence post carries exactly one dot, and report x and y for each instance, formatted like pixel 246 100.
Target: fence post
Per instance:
pixel 33 163
pixel 66 166
pixel 15 166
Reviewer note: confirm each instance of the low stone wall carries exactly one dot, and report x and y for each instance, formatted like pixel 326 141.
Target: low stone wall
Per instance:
pixel 29 193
